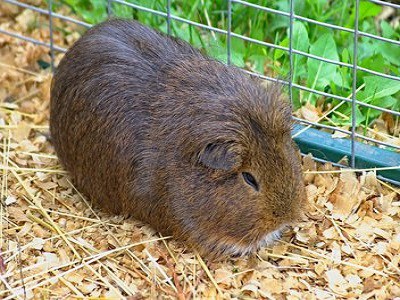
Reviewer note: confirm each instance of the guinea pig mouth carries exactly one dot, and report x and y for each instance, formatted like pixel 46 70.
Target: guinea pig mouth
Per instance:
pixel 270 237
pixel 266 240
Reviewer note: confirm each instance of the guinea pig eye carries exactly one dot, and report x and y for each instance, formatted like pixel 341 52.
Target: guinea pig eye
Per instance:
pixel 250 180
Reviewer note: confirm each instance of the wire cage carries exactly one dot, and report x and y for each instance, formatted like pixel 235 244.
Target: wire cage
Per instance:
pixel 312 136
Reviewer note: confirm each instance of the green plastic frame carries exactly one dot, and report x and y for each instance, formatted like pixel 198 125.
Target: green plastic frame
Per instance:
pixel 321 145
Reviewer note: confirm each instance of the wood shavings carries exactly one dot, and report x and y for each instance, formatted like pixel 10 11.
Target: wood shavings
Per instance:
pixel 345 198
pixel 347 248
pixel 309 113
pixel 10 200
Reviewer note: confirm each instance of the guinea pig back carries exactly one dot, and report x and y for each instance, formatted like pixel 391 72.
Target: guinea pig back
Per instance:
pixel 148 126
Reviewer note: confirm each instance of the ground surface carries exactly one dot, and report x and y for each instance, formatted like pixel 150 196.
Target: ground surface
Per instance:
pixel 54 245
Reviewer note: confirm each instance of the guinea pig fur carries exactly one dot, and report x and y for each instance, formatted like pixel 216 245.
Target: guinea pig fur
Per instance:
pixel 148 126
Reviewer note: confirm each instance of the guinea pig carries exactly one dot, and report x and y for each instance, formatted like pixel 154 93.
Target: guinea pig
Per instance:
pixel 149 126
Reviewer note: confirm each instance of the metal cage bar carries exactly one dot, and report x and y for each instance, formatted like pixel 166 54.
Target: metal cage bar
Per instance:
pixel 385 3
pixel 349 133
pixel 325 94
pixel 229 33
pixel 109 8
pixel 32 40
pixel 47 12
pixel 354 88
pixel 169 17
pixel 50 7
pixel 291 50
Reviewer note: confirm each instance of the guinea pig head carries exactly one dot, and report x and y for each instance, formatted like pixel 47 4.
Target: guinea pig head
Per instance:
pixel 246 159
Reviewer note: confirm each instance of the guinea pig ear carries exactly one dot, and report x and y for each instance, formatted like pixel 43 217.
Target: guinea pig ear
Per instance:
pixel 219 156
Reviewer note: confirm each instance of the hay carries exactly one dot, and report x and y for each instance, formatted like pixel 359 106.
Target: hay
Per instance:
pixel 55 245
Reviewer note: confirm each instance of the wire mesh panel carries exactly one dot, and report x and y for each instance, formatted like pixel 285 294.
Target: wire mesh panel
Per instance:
pixel 341 74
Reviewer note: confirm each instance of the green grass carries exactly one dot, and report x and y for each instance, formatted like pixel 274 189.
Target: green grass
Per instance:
pixel 314 39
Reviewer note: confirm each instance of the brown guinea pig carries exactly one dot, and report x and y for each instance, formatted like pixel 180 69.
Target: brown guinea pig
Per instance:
pixel 149 126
